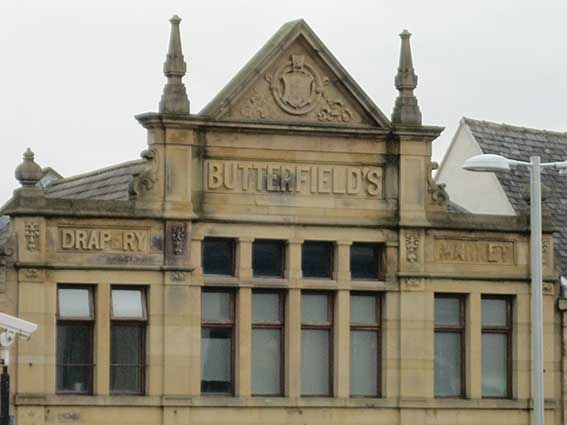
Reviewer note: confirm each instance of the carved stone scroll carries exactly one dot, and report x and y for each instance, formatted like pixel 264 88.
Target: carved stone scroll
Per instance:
pixel 146 180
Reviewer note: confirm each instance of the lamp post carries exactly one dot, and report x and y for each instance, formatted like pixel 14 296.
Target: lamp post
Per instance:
pixel 494 163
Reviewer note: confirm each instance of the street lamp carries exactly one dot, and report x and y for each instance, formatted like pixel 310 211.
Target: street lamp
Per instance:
pixel 494 163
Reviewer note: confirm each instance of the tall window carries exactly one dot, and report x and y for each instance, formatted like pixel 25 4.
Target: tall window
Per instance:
pixel 75 318
pixel 364 345
pixel 267 343
pixel 217 316
pixel 496 347
pixel 366 261
pixel 317 259
pixel 449 353
pixel 218 256
pixel 128 341
pixel 268 258
pixel 316 344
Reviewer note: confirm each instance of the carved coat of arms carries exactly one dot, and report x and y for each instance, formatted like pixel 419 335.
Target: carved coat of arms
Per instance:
pixel 296 86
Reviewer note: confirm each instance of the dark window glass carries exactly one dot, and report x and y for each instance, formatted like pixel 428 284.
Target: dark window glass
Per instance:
pixel 74 358
pixel 316 344
pixel 75 315
pixel 216 342
pixel 365 261
pixel 317 259
pixel 449 334
pixel 364 345
pixel 267 343
pixel 218 256
pixel 127 359
pixel 127 341
pixel 268 258
pixel 496 344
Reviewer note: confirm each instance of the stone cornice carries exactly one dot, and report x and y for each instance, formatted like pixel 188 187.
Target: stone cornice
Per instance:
pixel 153 120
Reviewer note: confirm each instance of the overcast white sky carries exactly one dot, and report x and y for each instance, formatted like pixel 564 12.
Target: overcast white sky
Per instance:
pixel 73 74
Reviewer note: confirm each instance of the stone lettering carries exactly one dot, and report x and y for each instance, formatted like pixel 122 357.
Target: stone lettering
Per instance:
pixel 474 251
pixel 275 177
pixel 103 240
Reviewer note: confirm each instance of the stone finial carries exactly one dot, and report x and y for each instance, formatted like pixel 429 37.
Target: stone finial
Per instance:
pixel 174 99
pixel 406 109
pixel 28 173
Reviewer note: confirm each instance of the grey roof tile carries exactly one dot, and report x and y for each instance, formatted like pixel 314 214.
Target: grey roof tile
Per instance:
pixel 520 143
pixel 111 183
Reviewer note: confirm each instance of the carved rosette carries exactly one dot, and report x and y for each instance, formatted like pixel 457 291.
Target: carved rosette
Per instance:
pixel 412 247
pixel 413 284
pixel 178 235
pixel 32 233
pixel 547 288
pixel 178 276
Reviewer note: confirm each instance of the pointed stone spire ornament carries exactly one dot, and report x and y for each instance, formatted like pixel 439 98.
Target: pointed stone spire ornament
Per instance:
pixel 28 173
pixel 174 99
pixel 406 109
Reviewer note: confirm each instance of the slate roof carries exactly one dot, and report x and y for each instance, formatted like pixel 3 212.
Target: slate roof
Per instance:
pixel 110 183
pixel 4 228
pixel 520 143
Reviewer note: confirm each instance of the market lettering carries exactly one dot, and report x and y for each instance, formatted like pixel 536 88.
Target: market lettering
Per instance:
pixel 474 251
pixel 241 176
pixel 111 240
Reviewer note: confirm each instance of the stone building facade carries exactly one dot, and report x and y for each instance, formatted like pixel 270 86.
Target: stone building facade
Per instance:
pixel 281 257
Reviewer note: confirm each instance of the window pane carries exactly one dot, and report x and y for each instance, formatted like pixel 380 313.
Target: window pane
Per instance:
pixel 216 307
pixel 74 379
pixel 74 303
pixel 218 256
pixel 216 360
pixel 127 303
pixel 315 309
pixel 494 365
pixel 363 309
pixel 316 259
pixel 266 361
pixel 364 363
pixel 447 364
pixel 315 362
pixel 126 345
pixel 126 379
pixel 74 347
pixel 265 308
pixel 73 344
pixel 494 312
pixel 447 311
pixel 364 261
pixel 267 258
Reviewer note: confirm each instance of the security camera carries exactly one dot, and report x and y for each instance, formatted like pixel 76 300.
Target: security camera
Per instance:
pixel 14 326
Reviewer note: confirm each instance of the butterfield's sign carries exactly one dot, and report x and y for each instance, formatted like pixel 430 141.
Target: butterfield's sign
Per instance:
pixel 109 240
pixel 450 250
pixel 302 179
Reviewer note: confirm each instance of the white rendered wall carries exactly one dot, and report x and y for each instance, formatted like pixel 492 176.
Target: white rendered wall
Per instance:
pixel 476 192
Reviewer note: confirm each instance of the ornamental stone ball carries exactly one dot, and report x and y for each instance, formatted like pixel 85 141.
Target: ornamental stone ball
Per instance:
pixel 28 173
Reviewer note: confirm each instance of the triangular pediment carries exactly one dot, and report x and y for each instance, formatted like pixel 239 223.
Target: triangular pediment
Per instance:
pixel 294 78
